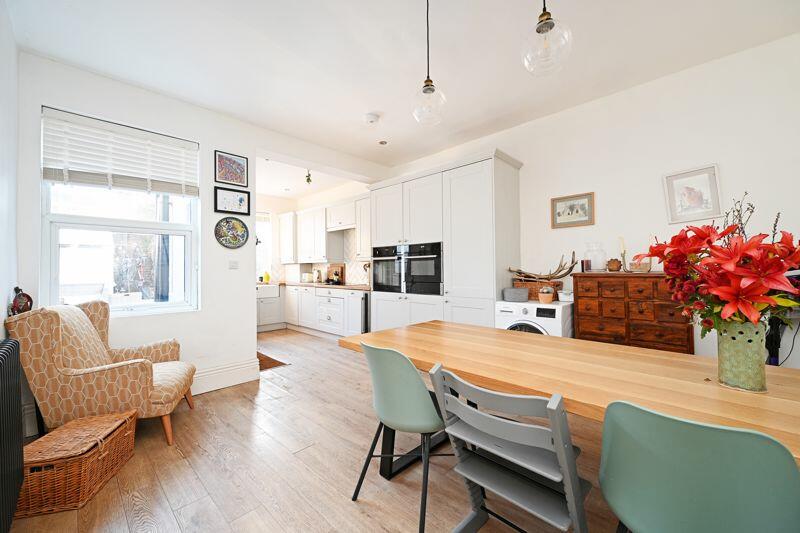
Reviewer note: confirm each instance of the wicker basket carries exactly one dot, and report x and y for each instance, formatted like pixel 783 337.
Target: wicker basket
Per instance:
pixel 534 286
pixel 66 467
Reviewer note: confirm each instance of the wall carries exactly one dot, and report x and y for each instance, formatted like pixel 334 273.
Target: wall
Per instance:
pixel 741 112
pixel 275 205
pixel 220 338
pixel 8 162
pixel 345 191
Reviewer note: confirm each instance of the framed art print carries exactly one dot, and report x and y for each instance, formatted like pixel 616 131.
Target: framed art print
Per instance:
pixel 231 201
pixel 570 211
pixel 230 169
pixel 692 195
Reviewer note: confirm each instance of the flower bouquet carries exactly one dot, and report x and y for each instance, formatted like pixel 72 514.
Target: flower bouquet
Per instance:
pixel 733 284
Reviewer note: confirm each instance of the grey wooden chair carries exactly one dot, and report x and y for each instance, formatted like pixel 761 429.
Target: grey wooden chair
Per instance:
pixel 529 465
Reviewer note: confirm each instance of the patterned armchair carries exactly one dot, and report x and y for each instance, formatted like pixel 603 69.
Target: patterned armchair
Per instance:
pixel 73 373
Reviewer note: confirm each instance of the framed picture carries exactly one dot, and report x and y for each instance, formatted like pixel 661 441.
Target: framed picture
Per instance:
pixel 570 211
pixel 230 169
pixel 231 201
pixel 692 195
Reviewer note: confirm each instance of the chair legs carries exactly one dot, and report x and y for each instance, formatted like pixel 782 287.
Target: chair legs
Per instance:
pixel 426 456
pixel 367 461
pixel 622 528
pixel 166 421
pixel 189 399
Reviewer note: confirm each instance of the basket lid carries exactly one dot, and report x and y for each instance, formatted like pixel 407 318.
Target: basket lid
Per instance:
pixel 75 437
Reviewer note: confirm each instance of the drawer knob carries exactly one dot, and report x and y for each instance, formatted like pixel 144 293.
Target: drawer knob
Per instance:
pixel 586 289
pixel 613 309
pixel 640 290
pixel 671 313
pixel 587 307
pixel 641 311
pixel 601 327
pixel 659 335
pixel 612 289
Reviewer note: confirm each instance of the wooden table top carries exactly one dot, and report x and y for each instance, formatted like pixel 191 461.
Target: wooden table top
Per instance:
pixel 590 375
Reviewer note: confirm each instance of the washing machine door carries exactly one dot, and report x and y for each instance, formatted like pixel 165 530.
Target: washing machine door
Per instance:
pixel 527 327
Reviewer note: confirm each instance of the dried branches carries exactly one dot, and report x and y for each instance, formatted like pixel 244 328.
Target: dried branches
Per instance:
pixel 562 270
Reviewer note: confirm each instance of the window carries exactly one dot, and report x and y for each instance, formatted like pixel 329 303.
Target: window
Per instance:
pixel 121 215
pixel 263 244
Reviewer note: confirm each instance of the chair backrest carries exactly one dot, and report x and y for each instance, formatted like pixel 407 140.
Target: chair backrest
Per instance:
pixel 399 396
pixel 663 474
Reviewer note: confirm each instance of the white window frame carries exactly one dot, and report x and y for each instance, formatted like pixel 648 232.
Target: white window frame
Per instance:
pixel 53 222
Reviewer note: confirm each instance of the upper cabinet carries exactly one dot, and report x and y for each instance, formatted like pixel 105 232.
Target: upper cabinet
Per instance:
pixel 408 212
pixel 342 216
pixel 287 231
pixel 363 242
pixel 314 243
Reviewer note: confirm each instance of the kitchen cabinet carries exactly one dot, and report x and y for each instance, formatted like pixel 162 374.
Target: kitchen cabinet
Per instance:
pixel 305 237
pixel 424 307
pixel 392 310
pixel 291 305
pixel 330 314
pixel 269 311
pixel 355 307
pixel 314 243
pixel 287 238
pixel 387 215
pixel 307 307
pixel 473 311
pixel 342 216
pixel 422 210
pixel 363 242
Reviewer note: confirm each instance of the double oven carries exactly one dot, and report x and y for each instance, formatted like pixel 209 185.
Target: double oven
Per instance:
pixel 408 268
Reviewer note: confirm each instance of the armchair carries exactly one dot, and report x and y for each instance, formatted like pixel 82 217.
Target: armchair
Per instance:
pixel 73 372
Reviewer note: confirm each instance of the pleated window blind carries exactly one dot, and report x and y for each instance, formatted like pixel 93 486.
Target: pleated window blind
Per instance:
pixel 84 150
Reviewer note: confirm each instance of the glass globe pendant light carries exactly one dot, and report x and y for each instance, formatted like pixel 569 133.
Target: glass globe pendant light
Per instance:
pixel 430 100
pixel 547 46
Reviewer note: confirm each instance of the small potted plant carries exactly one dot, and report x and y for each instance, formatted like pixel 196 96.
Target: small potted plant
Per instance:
pixel 546 295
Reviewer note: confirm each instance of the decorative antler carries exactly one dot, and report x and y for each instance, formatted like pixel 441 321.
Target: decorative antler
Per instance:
pixel 562 271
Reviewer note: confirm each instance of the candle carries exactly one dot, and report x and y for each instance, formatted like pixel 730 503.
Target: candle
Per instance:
pixel 622 245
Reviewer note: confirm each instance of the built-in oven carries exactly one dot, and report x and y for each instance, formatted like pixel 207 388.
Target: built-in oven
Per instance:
pixel 423 268
pixel 387 269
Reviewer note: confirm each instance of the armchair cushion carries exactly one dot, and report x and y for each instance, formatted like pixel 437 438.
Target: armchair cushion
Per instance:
pixel 81 346
pixel 171 380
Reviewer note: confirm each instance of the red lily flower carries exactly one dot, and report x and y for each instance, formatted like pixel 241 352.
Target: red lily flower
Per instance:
pixel 709 234
pixel 742 299
pixel 769 271
pixel 729 256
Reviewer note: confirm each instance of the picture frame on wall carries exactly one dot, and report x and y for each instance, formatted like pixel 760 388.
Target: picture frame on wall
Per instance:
pixel 230 169
pixel 571 211
pixel 233 201
pixel 692 195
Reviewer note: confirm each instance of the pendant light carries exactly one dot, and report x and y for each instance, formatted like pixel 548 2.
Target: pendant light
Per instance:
pixel 308 176
pixel 547 46
pixel 430 99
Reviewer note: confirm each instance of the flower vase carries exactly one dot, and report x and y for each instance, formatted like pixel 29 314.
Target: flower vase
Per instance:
pixel 741 350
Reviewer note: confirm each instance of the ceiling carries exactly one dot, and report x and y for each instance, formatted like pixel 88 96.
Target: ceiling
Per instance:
pixel 312 69
pixel 288 181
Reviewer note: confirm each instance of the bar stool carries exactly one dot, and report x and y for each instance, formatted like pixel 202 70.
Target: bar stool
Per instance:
pixel 664 474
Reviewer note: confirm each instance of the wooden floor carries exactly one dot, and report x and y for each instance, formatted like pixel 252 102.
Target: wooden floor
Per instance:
pixel 283 454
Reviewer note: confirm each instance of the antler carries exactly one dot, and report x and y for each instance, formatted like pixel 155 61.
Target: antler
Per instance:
pixel 562 270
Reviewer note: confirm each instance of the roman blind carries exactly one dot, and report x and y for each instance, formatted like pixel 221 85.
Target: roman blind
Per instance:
pixel 89 151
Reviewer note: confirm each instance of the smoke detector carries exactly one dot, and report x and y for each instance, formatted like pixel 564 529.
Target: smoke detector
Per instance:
pixel 372 118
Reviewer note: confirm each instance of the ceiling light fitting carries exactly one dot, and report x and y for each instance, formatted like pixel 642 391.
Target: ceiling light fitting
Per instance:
pixel 547 46
pixel 308 176
pixel 430 100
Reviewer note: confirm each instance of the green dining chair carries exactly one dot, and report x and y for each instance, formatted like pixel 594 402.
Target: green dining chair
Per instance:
pixel 660 473
pixel 402 402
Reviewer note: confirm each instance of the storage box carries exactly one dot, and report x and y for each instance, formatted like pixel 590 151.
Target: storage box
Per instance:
pixel 534 286
pixel 69 465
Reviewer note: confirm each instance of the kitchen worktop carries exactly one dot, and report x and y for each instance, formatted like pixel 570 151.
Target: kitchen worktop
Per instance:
pixel 328 286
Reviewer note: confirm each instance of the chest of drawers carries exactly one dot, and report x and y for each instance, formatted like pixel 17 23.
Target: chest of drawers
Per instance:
pixel 632 309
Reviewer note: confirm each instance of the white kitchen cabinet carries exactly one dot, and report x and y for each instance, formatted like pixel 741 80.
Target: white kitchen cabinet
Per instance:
pixel 387 215
pixel 342 216
pixel 422 210
pixel 424 307
pixel 305 237
pixel 474 311
pixel 354 305
pixel 388 310
pixel 269 311
pixel 363 242
pixel 291 305
pixel 307 307
pixel 330 314
pixel 314 243
pixel 287 231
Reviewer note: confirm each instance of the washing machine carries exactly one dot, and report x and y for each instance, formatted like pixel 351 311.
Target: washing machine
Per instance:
pixel 535 317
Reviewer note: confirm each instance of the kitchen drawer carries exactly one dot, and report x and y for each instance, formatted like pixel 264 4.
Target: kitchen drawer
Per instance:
pixel 612 289
pixel 603 328
pixel 333 293
pixel 640 289
pixel 641 311
pixel 330 314
pixel 267 291
pixel 669 312
pixel 586 287
pixel 588 306
pixel 612 309
pixel 678 348
pixel 659 334
pixel 662 291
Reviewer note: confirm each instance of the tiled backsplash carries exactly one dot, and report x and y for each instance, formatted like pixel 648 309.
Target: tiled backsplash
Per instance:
pixel 354 272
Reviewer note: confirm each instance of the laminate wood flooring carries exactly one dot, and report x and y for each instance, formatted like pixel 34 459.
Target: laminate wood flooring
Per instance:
pixel 283 454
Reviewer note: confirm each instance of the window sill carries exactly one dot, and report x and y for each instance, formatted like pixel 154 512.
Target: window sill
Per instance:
pixel 150 311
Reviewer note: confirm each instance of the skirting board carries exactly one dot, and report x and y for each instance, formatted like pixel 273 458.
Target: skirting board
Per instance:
pixel 314 332
pixel 271 327
pixel 222 376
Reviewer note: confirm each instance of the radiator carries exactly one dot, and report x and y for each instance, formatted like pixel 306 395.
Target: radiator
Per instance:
pixel 10 431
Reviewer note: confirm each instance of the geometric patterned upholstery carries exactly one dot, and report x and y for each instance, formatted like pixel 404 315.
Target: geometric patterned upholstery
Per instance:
pixel 73 373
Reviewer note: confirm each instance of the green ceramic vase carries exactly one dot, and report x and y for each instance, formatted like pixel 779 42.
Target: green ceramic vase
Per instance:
pixel 741 351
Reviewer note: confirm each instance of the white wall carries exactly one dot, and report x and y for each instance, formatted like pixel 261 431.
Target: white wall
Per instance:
pixel 220 338
pixel 741 112
pixel 334 195
pixel 8 162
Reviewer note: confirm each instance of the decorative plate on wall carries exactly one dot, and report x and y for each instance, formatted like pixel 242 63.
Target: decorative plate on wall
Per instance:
pixel 231 232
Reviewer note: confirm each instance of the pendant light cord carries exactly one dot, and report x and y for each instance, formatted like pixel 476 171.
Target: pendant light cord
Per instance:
pixel 428 34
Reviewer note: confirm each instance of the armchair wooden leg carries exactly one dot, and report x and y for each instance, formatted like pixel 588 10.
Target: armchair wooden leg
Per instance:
pixel 189 399
pixel 166 421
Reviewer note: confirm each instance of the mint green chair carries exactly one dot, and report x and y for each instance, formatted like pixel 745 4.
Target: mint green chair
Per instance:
pixel 403 403
pixel 665 474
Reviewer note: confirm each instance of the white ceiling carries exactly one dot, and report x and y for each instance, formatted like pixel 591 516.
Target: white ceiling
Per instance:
pixel 311 69
pixel 288 181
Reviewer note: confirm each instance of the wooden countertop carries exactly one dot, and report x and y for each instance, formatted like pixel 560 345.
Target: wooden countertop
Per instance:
pixel 590 375
pixel 328 286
